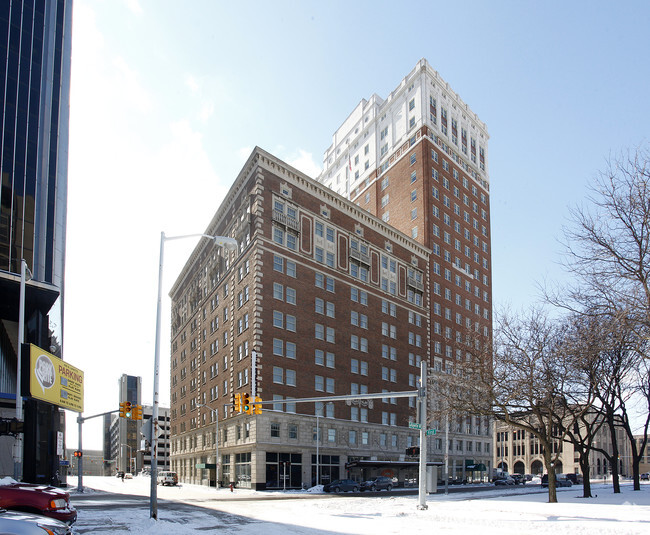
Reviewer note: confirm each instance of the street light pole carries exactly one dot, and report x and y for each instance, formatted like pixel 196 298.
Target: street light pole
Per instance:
pixel 18 444
pixel 317 446
pixel 422 479
pixel 228 243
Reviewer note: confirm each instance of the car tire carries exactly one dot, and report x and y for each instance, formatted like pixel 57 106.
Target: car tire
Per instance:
pixel 337 489
pixel 355 489
pixel 389 488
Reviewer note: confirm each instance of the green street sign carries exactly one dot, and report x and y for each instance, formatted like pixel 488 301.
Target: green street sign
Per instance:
pixel 414 425
pixel 431 432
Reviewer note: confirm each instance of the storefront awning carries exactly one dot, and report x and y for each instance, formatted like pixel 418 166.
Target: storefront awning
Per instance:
pixel 388 464
pixel 480 467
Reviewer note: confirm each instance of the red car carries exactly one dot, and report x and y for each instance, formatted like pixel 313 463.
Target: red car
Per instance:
pixel 39 499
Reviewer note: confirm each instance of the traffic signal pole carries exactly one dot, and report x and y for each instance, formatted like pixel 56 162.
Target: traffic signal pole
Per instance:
pixel 80 421
pixel 80 463
pixel 422 396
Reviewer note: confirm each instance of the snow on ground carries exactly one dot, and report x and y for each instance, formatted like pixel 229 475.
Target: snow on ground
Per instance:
pixel 520 510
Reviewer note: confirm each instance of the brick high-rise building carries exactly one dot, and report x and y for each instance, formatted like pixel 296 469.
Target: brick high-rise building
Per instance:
pixel 418 160
pixel 337 290
pixel 299 311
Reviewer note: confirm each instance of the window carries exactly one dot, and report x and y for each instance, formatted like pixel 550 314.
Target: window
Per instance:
pixel 278 375
pixel 329 385
pixel 278 291
pixel 275 430
pixel 319 331
pixel 359 296
pixel 290 296
pixel 290 377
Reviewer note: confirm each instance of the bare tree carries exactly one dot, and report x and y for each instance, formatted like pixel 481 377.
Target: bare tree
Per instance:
pixel 583 343
pixel 608 252
pixel 608 243
pixel 522 378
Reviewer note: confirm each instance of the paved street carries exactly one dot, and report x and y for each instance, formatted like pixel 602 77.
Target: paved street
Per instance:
pixel 173 511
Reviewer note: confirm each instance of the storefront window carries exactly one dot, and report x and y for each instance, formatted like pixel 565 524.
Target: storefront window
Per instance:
pixel 243 469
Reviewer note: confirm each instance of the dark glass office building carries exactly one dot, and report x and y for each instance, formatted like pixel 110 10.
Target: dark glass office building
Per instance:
pixel 35 44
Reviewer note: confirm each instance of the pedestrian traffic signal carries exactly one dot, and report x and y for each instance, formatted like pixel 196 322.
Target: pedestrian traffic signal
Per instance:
pixel 257 407
pixel 413 451
pixel 237 402
pixel 78 453
pixel 136 413
pixel 11 426
pixel 246 404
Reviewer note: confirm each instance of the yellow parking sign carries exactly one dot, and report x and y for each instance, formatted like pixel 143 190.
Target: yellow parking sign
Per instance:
pixel 55 381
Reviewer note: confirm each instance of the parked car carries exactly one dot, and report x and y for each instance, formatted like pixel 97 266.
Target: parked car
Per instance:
pixel 645 477
pixel 519 478
pixel 167 478
pixel 500 475
pixel 20 523
pixel 561 480
pixel 378 483
pixel 341 485
pixel 38 499
pixel 128 475
pixel 504 481
pixel 576 479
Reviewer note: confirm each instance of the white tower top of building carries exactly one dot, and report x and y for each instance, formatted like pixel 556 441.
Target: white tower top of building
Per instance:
pixel 376 128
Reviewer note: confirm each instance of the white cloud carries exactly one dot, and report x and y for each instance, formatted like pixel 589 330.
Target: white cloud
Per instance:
pixel 304 162
pixel 207 111
pixel 131 176
pixel 127 85
pixel 192 83
pixel 134 6
pixel 244 153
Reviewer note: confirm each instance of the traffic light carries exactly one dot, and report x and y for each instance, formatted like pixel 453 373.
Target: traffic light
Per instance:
pixel 126 409
pixel 136 413
pixel 246 404
pixel 413 451
pixel 11 426
pixel 78 453
pixel 257 407
pixel 237 403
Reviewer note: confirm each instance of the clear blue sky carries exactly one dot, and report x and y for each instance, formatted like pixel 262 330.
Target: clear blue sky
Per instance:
pixel 169 98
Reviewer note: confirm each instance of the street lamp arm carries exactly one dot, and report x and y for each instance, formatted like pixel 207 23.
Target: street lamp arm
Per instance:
pixel 224 241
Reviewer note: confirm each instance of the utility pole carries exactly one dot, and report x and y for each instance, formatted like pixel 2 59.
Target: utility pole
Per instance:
pixel 422 396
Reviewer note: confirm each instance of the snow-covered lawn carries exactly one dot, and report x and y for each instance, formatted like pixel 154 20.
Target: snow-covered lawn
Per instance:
pixel 518 510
